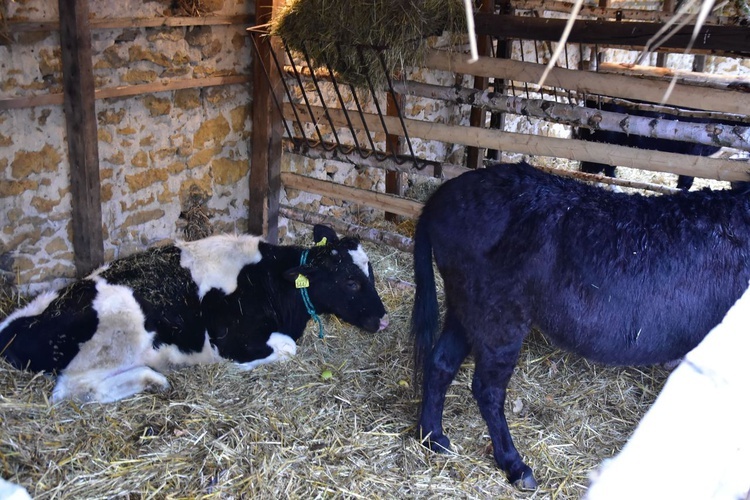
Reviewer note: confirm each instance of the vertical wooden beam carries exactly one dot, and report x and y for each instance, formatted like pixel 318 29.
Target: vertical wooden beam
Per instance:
pixel 393 144
pixel 80 119
pixel 265 158
pixel 478 115
pixel 661 58
pixel 503 51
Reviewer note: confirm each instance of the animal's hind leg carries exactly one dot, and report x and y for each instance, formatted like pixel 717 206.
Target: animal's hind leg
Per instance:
pixel 440 369
pixel 494 367
pixel 105 386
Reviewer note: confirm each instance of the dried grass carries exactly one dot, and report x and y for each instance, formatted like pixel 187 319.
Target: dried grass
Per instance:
pixel 282 431
pixel 329 31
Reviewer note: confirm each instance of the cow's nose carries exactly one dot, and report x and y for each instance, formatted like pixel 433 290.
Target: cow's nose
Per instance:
pixel 383 323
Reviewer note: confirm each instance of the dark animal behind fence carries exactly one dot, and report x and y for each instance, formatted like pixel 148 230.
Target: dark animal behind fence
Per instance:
pixel 684 182
pixel 617 278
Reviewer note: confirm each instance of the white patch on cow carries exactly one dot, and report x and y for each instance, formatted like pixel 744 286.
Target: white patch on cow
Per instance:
pixel 215 262
pixel 359 257
pixel 117 351
pixel 169 356
pixel 96 272
pixel 284 347
pixel 33 308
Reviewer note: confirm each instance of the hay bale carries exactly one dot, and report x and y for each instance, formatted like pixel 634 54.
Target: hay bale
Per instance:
pixel 330 31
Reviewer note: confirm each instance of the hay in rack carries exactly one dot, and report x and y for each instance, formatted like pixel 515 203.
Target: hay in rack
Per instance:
pixel 332 32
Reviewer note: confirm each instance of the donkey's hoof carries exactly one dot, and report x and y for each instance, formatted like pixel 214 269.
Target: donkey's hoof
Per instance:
pixel 526 482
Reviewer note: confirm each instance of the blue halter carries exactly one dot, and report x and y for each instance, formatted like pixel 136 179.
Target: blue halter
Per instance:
pixel 303 283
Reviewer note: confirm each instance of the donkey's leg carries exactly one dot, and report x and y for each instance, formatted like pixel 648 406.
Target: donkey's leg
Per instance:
pixel 494 367
pixel 440 369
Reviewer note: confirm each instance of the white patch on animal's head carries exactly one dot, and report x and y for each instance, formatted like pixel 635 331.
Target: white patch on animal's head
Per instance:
pixel 216 261
pixel 33 308
pixel 359 257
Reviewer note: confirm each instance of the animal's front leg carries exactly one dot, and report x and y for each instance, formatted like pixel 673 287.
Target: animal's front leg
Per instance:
pixel 439 371
pixel 494 367
pixel 279 347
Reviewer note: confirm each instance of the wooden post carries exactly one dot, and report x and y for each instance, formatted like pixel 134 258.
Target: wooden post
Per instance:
pixel 265 166
pixel 503 51
pixel 661 57
pixel 80 119
pixel 394 144
pixel 478 115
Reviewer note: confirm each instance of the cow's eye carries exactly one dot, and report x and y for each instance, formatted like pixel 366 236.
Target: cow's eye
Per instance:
pixel 352 285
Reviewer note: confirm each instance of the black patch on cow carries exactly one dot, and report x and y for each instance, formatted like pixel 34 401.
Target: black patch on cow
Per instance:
pixel 50 340
pixel 166 293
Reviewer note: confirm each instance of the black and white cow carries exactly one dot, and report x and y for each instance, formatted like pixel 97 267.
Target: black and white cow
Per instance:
pixel 617 278
pixel 233 298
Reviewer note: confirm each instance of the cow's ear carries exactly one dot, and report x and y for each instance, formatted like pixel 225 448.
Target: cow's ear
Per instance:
pixel 320 231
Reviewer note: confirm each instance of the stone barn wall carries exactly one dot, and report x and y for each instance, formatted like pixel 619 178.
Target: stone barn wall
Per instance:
pixel 160 154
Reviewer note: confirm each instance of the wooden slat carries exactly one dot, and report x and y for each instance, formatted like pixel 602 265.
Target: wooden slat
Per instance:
pixel 403 243
pixel 603 12
pixel 80 119
pixel 381 201
pixel 697 166
pixel 734 40
pixel 117 23
pixel 163 85
pixel 595 83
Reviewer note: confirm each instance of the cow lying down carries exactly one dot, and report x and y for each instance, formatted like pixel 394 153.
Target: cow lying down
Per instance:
pixel 619 279
pixel 222 298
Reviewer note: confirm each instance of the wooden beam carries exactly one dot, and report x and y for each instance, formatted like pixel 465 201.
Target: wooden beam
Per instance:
pixel 381 201
pixel 403 243
pixel 656 161
pixel 602 11
pixel 127 22
pixel 265 161
pixel 394 145
pixel 477 117
pixel 80 119
pixel 729 40
pixel 163 85
pixel 589 82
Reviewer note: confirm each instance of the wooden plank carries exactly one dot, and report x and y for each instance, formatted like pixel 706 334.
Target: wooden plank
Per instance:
pixel 80 119
pixel 163 85
pixel 697 166
pixel 403 243
pixel 728 40
pixel 602 11
pixel 265 161
pixel 736 135
pixel 127 22
pixel 692 78
pixel 588 82
pixel 381 201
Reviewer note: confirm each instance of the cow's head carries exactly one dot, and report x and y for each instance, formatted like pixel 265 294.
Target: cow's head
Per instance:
pixel 341 280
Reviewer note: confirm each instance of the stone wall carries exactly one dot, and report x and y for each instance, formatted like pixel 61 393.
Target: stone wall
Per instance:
pixel 161 154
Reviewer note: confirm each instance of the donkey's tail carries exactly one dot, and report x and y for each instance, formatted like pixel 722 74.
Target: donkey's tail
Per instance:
pixel 425 313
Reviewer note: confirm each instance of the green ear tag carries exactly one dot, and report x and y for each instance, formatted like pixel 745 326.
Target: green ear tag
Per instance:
pixel 322 242
pixel 302 281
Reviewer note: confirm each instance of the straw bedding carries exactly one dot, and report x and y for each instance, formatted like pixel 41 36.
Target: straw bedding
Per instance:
pixel 288 431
